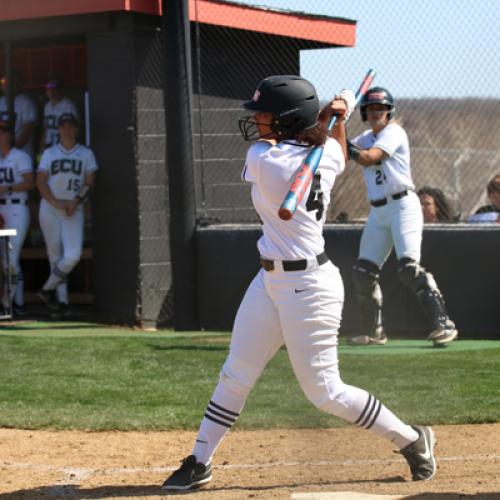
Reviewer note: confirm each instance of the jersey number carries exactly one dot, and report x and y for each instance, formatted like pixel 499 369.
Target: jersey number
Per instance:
pixel 380 177
pixel 74 185
pixel 315 200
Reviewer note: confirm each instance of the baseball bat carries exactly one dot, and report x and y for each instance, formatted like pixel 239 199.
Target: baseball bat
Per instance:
pixel 308 167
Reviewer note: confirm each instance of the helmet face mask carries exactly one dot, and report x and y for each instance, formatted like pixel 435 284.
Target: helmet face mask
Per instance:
pixel 290 99
pixel 377 95
pixel 250 131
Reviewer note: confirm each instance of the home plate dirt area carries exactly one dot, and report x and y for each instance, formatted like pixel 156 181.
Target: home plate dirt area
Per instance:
pixel 346 463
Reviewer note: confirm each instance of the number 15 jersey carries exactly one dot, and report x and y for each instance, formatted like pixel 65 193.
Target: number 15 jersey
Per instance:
pixel 67 169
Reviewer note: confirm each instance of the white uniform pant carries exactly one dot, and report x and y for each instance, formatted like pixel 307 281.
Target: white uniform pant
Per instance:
pixel 301 309
pixel 63 236
pixel 16 216
pixel 397 224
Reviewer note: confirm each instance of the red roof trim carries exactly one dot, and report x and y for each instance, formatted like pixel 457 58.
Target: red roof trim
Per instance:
pixel 232 15
pixel 275 22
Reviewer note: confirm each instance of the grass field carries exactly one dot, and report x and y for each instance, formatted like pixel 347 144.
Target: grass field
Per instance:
pixel 85 376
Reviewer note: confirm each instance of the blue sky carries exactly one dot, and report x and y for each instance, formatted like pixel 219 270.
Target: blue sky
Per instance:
pixel 419 48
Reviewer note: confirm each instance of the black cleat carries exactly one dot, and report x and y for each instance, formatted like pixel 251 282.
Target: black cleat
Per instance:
pixel 420 454
pixel 19 310
pixel 189 476
pixel 50 298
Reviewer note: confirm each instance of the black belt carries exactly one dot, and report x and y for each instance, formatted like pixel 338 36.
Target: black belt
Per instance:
pixel 383 201
pixel 293 265
pixel 14 201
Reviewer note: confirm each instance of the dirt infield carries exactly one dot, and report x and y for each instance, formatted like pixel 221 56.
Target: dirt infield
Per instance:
pixel 249 464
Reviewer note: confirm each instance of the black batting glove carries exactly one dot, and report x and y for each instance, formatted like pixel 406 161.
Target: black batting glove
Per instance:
pixel 353 151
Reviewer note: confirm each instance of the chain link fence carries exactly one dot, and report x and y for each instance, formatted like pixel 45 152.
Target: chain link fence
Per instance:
pixel 454 141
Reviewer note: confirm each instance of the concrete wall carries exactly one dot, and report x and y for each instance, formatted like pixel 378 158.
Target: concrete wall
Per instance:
pixel 463 259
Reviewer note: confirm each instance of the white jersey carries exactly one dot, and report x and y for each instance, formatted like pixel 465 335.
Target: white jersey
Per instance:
pixel 67 169
pixel 12 168
pixel 393 175
pixel 270 170
pixel 24 112
pixel 51 114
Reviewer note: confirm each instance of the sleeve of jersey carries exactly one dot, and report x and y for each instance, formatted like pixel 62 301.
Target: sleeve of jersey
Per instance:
pixel 74 110
pixel 390 139
pixel 333 157
pixel 44 161
pixel 250 172
pixel 90 164
pixel 25 166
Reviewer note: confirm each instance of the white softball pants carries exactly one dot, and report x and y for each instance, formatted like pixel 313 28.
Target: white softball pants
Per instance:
pixel 16 216
pixel 303 310
pixel 398 224
pixel 63 236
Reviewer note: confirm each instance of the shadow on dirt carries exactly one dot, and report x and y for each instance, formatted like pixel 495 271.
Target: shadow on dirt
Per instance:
pixel 154 491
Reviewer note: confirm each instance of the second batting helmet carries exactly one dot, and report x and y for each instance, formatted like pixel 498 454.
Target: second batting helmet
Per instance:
pixel 377 95
pixel 292 100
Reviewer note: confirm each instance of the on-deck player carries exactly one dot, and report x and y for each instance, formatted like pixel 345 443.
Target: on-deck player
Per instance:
pixel 16 179
pixel 395 220
pixel 296 298
pixel 65 176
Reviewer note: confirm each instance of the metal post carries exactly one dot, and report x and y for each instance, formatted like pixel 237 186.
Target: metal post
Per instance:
pixel 180 165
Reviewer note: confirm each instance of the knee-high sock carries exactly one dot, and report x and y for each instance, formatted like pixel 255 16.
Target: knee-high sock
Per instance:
pixel 57 276
pixel 222 412
pixel 367 411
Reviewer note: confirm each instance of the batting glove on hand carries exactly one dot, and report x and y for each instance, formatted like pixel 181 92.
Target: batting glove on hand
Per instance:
pixel 350 101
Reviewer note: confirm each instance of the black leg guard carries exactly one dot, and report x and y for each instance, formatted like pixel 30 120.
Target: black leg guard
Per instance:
pixel 422 283
pixel 365 275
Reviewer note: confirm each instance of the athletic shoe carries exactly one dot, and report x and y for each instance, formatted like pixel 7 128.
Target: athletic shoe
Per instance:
pixel 420 454
pixel 444 335
pixel 378 339
pixel 50 298
pixel 189 476
pixel 64 312
pixel 19 310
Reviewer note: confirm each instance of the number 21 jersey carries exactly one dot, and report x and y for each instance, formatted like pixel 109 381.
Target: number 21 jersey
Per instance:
pixel 67 169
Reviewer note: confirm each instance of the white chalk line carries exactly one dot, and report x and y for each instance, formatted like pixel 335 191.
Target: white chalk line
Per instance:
pixel 76 474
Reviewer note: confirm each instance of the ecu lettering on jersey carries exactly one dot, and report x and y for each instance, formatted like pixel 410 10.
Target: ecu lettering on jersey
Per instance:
pixel 66 165
pixel 6 176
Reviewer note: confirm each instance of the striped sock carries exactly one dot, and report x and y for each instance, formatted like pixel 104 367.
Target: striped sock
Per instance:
pixel 380 420
pixel 222 412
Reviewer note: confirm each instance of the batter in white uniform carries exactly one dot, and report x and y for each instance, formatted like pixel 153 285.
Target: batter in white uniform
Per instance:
pixel 395 220
pixel 16 179
pixel 64 178
pixel 296 298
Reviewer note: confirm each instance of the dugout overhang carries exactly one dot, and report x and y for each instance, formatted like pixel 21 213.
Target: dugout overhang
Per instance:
pixel 326 30
pixel 111 52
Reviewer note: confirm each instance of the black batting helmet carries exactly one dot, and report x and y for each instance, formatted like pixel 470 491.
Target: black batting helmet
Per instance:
pixel 293 102
pixel 377 95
